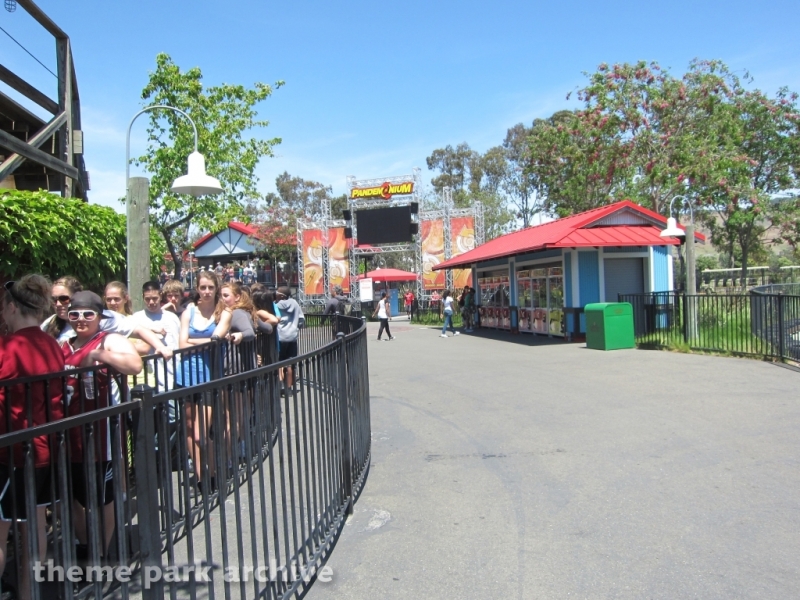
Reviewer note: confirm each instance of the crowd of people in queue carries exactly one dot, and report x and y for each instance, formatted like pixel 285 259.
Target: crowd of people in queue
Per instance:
pixel 248 273
pixel 62 327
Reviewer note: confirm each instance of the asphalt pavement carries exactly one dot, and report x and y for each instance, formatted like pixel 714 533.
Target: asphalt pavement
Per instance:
pixel 515 467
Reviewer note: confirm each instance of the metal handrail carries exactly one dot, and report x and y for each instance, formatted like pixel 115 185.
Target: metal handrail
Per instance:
pixel 282 454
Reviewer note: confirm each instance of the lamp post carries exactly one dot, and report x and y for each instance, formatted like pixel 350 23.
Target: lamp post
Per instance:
pixel 137 190
pixel 673 230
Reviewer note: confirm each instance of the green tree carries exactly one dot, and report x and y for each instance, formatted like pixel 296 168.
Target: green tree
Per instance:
pixel 305 198
pixel 494 171
pixel 473 177
pixel 748 187
pixel 646 135
pixel 576 168
pixel 45 233
pixel 453 165
pixel 224 114
pixel 519 182
pixel 296 198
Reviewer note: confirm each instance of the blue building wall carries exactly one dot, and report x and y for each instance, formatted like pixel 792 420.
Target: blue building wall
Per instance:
pixel 588 279
pixel 660 269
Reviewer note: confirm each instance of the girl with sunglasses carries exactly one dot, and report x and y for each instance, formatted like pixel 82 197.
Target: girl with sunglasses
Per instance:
pixel 91 391
pixel 61 328
pixel 62 292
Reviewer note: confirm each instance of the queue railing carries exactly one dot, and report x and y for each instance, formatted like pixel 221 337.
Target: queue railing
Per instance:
pixel 237 486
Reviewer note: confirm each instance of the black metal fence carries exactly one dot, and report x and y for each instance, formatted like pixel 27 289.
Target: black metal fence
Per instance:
pixel 234 486
pixel 757 324
pixel 433 316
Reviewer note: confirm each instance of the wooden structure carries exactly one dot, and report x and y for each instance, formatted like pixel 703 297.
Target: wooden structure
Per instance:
pixel 38 154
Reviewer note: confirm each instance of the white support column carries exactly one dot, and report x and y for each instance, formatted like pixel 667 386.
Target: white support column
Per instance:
pixel 670 270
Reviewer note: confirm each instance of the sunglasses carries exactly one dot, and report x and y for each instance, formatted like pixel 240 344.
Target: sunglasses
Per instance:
pixel 88 315
pixel 62 299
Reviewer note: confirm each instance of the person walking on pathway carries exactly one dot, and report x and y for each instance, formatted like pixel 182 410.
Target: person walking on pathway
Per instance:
pixel 384 313
pixel 447 311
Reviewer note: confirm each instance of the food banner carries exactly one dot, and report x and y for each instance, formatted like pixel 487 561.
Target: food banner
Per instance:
pixel 432 233
pixel 312 262
pixel 462 239
pixel 338 262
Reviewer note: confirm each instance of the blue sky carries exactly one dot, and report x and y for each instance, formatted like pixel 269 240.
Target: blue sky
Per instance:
pixel 373 87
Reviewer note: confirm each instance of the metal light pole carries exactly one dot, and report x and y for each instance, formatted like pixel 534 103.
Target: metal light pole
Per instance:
pixel 137 190
pixel 673 230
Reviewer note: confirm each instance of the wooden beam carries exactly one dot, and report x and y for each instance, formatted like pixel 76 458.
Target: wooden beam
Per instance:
pixel 64 63
pixel 43 158
pixel 23 87
pixel 15 160
pixel 41 18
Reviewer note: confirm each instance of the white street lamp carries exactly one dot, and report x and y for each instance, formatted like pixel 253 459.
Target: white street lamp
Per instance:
pixel 195 183
pixel 673 230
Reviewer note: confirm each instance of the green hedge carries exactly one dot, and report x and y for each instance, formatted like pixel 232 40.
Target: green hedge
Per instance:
pixel 44 233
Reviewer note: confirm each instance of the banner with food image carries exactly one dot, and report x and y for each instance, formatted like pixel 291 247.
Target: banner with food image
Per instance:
pixel 432 233
pixel 312 262
pixel 462 239
pixel 338 262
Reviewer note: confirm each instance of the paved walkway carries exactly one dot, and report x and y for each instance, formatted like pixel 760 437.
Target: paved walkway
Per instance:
pixel 521 468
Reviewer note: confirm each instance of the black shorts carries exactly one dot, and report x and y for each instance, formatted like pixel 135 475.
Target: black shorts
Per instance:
pixel 41 486
pixel 104 482
pixel 288 350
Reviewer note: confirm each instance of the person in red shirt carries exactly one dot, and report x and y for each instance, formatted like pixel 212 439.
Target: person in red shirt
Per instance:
pixel 94 390
pixel 26 351
pixel 409 302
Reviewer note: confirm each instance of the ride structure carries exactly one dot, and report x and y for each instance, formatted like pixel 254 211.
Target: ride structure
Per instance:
pixel 330 249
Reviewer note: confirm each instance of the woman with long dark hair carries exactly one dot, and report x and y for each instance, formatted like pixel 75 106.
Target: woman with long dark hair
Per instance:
pixel 63 290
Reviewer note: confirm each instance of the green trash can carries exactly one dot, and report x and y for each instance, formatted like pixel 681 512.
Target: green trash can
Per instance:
pixel 609 326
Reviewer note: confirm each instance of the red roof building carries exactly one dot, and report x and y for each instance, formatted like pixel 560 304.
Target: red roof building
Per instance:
pixel 549 272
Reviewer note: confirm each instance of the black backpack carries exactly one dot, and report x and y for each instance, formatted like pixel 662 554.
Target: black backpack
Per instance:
pixel 341 307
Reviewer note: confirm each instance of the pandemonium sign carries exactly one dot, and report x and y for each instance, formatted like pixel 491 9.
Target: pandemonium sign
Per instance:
pixel 386 191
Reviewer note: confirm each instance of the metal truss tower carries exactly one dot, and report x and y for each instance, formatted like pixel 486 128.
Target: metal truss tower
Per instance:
pixel 447 212
pixel 354 204
pixel 323 225
pixel 326 223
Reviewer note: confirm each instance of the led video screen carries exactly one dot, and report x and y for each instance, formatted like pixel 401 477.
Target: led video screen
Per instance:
pixel 384 225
